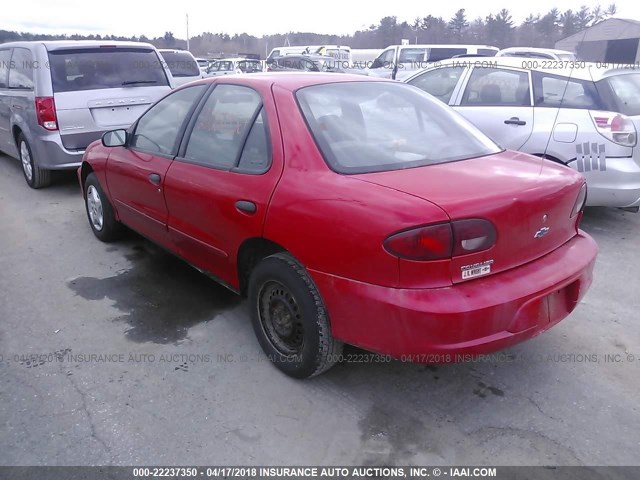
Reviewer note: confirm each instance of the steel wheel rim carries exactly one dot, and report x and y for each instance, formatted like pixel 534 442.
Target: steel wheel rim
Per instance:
pixel 25 157
pixel 94 207
pixel 281 318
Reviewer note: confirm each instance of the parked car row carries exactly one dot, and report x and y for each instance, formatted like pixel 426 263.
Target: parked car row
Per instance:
pixel 267 182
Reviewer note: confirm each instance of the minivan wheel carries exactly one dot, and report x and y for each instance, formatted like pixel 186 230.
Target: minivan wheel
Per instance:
pixel 100 212
pixel 35 176
pixel 290 319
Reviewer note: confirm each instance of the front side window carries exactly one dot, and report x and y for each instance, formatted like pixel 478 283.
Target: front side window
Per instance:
pixel 385 59
pixel 440 82
pixel 222 126
pixel 98 68
pixel 363 127
pixel 21 72
pixel 494 87
pixel 555 91
pixel 158 129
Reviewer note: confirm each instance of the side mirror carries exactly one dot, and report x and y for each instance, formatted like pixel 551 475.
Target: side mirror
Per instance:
pixel 377 63
pixel 115 138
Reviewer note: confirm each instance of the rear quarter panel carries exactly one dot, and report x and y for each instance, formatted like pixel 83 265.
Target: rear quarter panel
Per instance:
pixel 335 223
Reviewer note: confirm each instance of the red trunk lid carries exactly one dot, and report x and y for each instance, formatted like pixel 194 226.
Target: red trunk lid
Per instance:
pixel 528 200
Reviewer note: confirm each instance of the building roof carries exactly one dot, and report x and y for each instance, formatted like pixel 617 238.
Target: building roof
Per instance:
pixel 610 29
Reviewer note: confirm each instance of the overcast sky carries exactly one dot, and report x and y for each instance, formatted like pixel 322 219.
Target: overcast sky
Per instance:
pixel 256 17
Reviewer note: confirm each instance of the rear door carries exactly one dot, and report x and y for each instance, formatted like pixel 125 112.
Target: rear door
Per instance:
pixel 498 102
pixel 136 173
pixel 104 88
pixel 218 188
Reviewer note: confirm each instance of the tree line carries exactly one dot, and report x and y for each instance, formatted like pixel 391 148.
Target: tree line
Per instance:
pixel 498 29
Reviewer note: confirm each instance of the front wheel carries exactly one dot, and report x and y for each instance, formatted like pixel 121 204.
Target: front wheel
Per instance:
pixel 290 319
pixel 100 212
pixel 35 176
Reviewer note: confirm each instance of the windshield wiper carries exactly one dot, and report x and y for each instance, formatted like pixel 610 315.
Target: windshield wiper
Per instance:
pixel 138 82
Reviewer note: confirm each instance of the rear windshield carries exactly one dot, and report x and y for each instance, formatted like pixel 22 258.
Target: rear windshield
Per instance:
pixel 97 68
pixel 625 90
pixel 363 127
pixel 181 64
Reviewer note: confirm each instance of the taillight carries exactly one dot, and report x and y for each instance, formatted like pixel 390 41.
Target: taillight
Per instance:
pixel 46 113
pixel 616 127
pixel 443 240
pixel 580 201
pixel 474 235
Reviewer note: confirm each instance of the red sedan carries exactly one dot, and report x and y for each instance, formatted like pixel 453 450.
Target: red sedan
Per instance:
pixel 348 210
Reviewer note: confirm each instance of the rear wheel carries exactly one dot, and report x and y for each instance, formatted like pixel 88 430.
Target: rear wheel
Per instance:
pixel 100 212
pixel 290 319
pixel 35 176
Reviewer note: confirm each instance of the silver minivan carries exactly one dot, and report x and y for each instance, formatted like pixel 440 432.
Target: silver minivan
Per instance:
pixel 57 97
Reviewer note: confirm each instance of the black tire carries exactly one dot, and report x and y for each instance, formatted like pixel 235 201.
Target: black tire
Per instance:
pixel 297 339
pixel 35 176
pixel 108 229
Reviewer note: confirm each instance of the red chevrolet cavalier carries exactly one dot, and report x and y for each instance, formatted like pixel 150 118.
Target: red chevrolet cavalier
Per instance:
pixel 348 210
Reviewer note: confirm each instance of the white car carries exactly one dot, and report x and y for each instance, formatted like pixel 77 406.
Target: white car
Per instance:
pixel 584 115
pixel 402 61
pixel 182 65
pixel 531 52
pixel 203 63
pixel 232 66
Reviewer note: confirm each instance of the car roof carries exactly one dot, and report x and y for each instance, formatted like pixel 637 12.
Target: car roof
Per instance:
pixel 534 50
pixel 51 45
pixel 292 80
pixel 565 68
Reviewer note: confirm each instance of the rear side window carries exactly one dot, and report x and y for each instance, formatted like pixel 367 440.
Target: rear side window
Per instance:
pixel 625 90
pixel 437 54
pixel 363 127
pixel 412 55
pixel 222 126
pixel 5 61
pixel 440 82
pixel 21 73
pixel 487 52
pixel 98 68
pixel 181 64
pixel 493 87
pixel 158 129
pixel 556 91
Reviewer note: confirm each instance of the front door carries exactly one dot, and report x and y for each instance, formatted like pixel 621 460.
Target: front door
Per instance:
pixel 136 172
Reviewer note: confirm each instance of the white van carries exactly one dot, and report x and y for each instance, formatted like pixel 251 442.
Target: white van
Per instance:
pixel 339 52
pixel 364 57
pixel 401 61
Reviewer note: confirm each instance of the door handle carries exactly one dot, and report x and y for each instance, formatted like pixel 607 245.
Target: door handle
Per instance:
pixel 515 121
pixel 246 206
pixel 155 179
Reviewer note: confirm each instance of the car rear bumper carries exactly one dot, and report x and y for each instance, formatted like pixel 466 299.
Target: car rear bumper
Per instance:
pixel 51 154
pixel 612 181
pixel 475 317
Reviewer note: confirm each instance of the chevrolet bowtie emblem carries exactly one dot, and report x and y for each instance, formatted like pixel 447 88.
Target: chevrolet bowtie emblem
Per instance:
pixel 542 232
